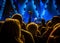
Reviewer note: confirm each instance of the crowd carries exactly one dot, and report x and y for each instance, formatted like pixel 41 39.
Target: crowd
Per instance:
pixel 14 30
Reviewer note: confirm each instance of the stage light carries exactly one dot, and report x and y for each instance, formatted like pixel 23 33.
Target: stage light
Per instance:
pixel 56 6
pixel 40 8
pixel 42 13
pixel 44 9
pixel 2 7
pixel 14 7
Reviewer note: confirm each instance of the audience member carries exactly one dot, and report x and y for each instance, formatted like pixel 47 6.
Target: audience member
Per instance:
pixel 14 30
pixel 33 28
pixel 11 31
pixel 19 17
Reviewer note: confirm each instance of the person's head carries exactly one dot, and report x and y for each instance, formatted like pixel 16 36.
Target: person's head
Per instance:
pixel 32 27
pixel 55 20
pixel 11 28
pixel 17 16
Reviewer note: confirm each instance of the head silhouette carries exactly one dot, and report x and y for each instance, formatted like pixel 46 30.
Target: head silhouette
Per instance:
pixel 55 20
pixel 11 28
pixel 17 16
pixel 32 27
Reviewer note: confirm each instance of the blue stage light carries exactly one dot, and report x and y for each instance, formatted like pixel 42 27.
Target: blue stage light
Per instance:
pixel 2 7
pixel 40 9
pixel 14 7
pixel 42 13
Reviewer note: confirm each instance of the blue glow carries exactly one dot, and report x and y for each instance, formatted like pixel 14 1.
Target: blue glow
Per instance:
pixel 2 7
pixel 13 6
pixel 34 7
pixel 40 9
pixel 30 7
pixel 48 15
pixel 42 13
pixel 55 6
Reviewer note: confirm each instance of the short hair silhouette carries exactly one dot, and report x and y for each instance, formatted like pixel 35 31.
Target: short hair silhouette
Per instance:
pixel 11 30
pixel 55 20
pixel 17 16
pixel 32 27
